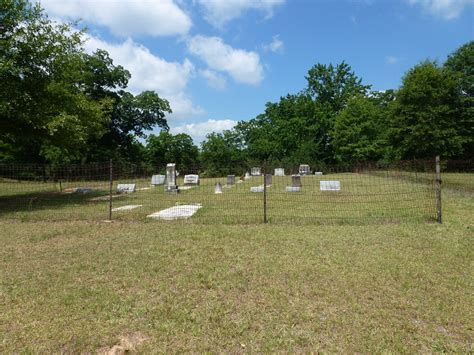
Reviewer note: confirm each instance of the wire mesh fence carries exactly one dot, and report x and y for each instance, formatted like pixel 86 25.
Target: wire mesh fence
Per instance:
pixel 357 194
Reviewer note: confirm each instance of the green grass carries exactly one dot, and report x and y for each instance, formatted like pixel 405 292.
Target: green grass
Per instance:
pixel 81 286
pixel 363 198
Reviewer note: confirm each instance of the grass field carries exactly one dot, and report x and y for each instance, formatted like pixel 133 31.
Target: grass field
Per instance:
pixel 79 286
pixel 363 198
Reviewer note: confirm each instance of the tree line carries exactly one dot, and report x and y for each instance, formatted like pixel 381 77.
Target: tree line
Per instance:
pixel 59 104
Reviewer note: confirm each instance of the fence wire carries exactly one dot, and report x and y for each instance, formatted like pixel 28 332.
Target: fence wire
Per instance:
pixel 358 194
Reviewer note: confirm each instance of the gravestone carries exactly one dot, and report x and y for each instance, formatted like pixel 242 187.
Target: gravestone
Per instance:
pixel 318 173
pixel 218 188
pixel 304 169
pixel 279 172
pixel 191 180
pixel 293 189
pixel 158 180
pixel 246 176
pixel 296 180
pixel 230 180
pixel 268 179
pixel 330 185
pixel 126 188
pixel 170 185
pixel 257 188
pixel 255 171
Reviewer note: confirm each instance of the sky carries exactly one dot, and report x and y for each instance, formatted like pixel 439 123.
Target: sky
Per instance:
pixel 220 61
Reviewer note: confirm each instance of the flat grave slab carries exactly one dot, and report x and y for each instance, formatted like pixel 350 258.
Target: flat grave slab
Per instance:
pixel 176 212
pixel 126 188
pixel 185 187
pixel 330 185
pixel 293 188
pixel 125 208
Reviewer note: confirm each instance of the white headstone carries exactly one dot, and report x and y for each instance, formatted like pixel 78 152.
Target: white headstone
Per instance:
pixel 126 188
pixel 319 173
pixel 247 176
pixel 191 179
pixel 256 188
pixel 293 189
pixel 279 172
pixel 218 188
pixel 158 179
pixel 255 171
pixel 330 185
pixel 304 169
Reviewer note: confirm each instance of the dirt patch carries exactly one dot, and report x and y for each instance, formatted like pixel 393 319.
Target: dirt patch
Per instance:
pixel 128 342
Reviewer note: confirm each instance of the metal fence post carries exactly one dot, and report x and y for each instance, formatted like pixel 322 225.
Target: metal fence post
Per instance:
pixel 111 183
pixel 264 195
pixel 438 190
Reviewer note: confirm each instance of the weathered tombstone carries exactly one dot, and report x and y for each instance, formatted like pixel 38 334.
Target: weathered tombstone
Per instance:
pixel 191 180
pixel 296 180
pixel 268 179
pixel 293 189
pixel 255 171
pixel 257 188
pixel 247 176
pixel 230 180
pixel 218 188
pixel 330 185
pixel 279 172
pixel 170 185
pixel 158 180
pixel 318 173
pixel 304 169
pixel 126 188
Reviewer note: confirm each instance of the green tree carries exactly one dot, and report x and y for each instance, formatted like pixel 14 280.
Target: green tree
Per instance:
pixel 425 119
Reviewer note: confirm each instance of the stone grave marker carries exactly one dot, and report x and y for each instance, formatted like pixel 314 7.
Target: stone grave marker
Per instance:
pixel 330 185
pixel 257 188
pixel 255 171
pixel 230 180
pixel 158 180
pixel 268 179
pixel 279 172
pixel 191 180
pixel 126 188
pixel 304 169
pixel 296 180
pixel 293 189
pixel 218 188
pixel 247 176
pixel 318 173
pixel 170 185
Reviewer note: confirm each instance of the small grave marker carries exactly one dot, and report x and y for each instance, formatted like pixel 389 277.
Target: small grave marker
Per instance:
pixel 230 180
pixel 158 180
pixel 126 188
pixel 296 180
pixel 218 188
pixel 318 173
pixel 293 189
pixel 330 185
pixel 256 188
pixel 255 171
pixel 304 169
pixel 279 172
pixel 191 180
pixel 268 179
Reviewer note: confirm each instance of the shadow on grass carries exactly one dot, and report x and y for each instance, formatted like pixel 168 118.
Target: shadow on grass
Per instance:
pixel 46 200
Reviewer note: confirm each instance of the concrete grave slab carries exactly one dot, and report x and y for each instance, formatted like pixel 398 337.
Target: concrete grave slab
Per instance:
pixel 176 212
pixel 293 188
pixel 125 208
pixel 256 188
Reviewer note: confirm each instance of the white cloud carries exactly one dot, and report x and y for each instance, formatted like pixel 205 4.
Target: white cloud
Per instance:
pixel 219 12
pixel 446 9
pixel 125 17
pixel 243 66
pixel 150 72
pixel 276 45
pixel 391 60
pixel 214 79
pixel 199 130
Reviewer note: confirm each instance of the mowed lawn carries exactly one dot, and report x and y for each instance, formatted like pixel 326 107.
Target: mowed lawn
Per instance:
pixel 387 197
pixel 83 286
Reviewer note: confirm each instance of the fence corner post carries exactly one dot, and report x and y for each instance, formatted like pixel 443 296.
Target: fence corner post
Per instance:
pixel 438 190
pixel 111 183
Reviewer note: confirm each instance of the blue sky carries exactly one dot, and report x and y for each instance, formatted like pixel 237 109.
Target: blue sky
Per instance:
pixel 220 61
